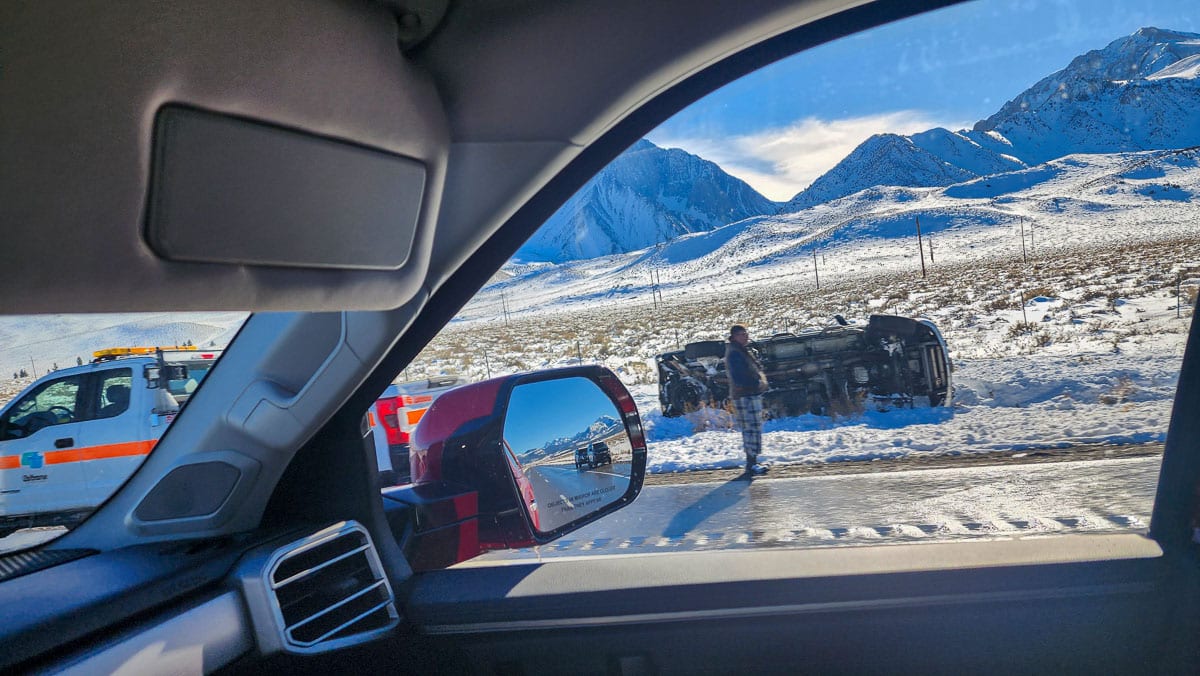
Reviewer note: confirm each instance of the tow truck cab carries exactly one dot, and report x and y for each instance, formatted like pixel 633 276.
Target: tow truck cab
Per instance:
pixel 71 438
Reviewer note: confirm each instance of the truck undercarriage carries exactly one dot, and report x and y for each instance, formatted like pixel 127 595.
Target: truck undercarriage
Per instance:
pixel 892 362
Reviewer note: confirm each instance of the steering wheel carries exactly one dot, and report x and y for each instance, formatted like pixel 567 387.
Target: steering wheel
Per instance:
pixel 64 416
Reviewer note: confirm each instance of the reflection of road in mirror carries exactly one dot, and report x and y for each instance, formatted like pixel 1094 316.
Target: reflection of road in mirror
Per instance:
pixel 571 446
pixel 565 494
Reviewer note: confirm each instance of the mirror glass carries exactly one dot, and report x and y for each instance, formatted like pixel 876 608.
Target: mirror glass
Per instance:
pixel 567 448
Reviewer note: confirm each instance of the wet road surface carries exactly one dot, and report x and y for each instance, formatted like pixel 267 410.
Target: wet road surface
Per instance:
pixel 1106 495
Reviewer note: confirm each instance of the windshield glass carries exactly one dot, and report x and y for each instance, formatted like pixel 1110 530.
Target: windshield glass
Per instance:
pixel 83 401
pixel 932 281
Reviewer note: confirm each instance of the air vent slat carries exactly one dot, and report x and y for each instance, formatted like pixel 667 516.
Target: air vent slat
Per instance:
pixel 312 554
pixel 329 590
pixel 351 622
pixel 310 571
pixel 335 606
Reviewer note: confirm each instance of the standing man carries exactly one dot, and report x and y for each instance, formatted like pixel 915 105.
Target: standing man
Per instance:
pixel 747 382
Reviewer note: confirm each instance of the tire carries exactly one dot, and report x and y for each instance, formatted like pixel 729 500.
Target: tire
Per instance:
pixel 704 348
pixel 902 327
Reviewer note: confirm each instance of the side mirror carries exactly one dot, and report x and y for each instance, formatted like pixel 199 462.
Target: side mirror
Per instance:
pixel 517 461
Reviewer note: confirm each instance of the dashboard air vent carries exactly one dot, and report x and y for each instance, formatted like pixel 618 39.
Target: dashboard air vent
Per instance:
pixel 330 591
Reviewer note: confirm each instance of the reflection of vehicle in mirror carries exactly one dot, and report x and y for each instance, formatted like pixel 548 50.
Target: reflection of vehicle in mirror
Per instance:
pixel 493 464
pixel 74 435
pixel 523 486
pixel 594 455
pixel 396 414
pixel 892 362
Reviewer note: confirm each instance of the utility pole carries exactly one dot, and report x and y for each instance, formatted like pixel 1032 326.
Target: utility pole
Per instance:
pixel 1032 248
pixel 1023 315
pixel 1178 295
pixel 33 366
pixel 653 291
pixel 486 365
pixel 815 273
pixel 920 247
pixel 931 248
pixel 579 352
pixel 1024 258
pixel 677 345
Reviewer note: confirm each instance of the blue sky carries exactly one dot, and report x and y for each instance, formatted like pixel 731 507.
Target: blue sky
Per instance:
pixel 552 409
pixel 784 125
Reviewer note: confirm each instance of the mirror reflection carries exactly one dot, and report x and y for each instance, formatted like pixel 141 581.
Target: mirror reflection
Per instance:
pixel 567 448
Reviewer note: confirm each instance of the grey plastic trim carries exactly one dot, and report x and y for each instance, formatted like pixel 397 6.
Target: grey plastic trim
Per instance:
pixel 283 197
pixel 751 582
pixel 203 639
pixel 256 574
pixel 791 609
pixel 248 469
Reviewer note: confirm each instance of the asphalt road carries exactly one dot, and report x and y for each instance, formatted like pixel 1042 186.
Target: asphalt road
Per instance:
pixel 562 490
pixel 948 502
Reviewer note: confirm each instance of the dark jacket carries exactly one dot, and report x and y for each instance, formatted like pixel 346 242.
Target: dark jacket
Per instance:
pixel 746 377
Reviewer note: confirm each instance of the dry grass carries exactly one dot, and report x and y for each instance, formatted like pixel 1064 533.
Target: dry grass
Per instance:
pixel 626 333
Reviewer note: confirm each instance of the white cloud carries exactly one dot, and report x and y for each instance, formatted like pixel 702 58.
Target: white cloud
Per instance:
pixel 781 162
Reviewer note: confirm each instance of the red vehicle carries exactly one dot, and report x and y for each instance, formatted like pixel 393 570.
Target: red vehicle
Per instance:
pixel 523 484
pixel 395 416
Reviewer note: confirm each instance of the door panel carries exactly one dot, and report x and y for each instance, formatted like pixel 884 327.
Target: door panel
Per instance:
pixel 739 611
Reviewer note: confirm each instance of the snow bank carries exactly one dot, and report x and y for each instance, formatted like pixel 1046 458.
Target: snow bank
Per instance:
pixel 1003 405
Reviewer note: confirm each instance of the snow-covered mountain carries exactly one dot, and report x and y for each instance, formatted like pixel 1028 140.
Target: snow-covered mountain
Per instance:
pixel 646 196
pixel 1141 92
pixel 883 159
pixel 603 427
pixel 1062 204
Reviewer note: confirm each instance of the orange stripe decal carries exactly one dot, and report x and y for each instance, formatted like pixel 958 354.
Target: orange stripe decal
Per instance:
pixel 414 417
pixel 99 452
pixel 10 461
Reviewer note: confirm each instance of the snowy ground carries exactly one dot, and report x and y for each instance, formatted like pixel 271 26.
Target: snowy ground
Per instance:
pixel 1075 340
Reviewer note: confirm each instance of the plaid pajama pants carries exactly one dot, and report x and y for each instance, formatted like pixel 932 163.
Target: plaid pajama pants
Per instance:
pixel 747 415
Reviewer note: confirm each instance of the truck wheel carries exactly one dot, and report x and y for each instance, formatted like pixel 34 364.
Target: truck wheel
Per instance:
pixel 704 348
pixel 902 327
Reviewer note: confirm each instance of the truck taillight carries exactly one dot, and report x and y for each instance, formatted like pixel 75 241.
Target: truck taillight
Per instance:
pixel 391 421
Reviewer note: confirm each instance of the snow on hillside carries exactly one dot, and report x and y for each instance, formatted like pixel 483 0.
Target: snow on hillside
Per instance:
pixel 882 160
pixel 1141 92
pixel 1080 344
pixel 645 196
pixel 1132 196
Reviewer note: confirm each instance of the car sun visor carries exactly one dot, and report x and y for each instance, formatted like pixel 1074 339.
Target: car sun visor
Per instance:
pixel 229 190
pixel 262 156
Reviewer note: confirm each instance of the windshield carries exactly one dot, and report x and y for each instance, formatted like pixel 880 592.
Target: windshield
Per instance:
pixel 928 282
pixel 83 401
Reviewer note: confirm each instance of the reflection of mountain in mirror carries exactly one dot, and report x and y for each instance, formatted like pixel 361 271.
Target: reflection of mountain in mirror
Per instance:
pixel 571 450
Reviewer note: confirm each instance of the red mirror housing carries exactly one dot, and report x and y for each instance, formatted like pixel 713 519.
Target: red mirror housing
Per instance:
pixel 470 490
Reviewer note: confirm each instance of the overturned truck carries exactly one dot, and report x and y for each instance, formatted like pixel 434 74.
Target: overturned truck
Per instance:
pixel 892 362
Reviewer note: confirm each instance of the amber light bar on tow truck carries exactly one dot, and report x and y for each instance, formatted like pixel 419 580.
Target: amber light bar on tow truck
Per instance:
pixel 118 352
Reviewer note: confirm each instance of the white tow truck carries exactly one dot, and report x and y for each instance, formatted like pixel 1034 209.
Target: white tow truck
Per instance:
pixel 71 438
